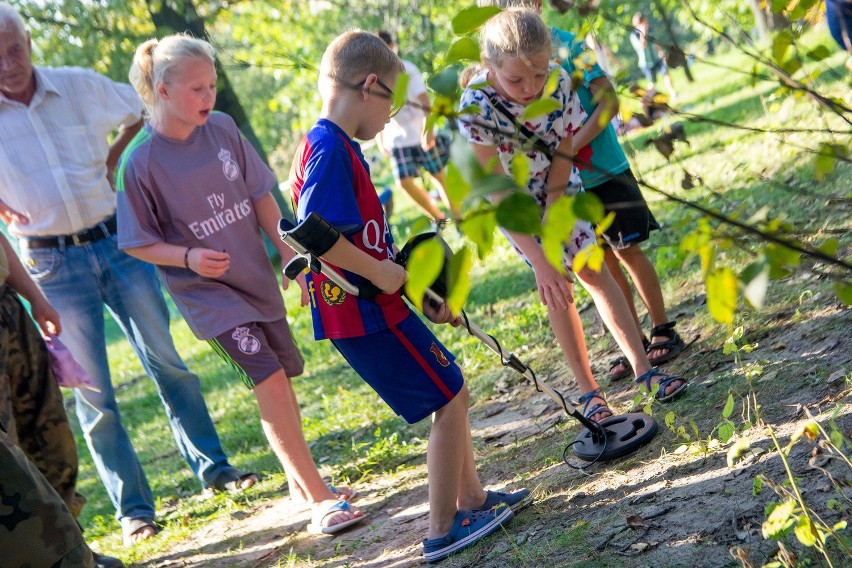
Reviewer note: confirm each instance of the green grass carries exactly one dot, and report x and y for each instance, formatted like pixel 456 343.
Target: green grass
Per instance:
pixel 354 436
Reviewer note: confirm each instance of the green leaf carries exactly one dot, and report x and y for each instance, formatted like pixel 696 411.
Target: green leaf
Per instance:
pixel 729 406
pixel 557 229
pixel 520 168
pixel 844 292
pixel 539 108
pixel 479 227
pixel 791 66
pixel 552 82
pixel 726 432
pixel 777 6
pixel 825 161
pixel 819 53
pixel 400 90
pixel 445 83
pixel 757 486
pixel 469 19
pixel 457 187
pixel 779 521
pixel 780 259
pixel 722 294
pixel 588 206
pixel 806 531
pixel 829 247
pixel 459 276
pixel 519 212
pixel 670 419
pixel 463 49
pixel 424 266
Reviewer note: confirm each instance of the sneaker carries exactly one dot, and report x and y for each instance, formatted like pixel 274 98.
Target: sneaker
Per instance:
pixel 515 500
pixel 468 528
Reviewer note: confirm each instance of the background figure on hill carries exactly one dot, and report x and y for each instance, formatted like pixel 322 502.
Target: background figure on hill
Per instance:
pixel 652 59
pixel 33 417
pixel 410 146
pixel 57 198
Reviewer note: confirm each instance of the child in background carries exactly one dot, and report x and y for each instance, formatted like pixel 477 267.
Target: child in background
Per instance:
pixel 606 173
pixel 383 340
pixel 516 51
pixel 193 196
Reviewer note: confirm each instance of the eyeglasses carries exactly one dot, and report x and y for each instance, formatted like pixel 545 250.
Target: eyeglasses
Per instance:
pixel 388 94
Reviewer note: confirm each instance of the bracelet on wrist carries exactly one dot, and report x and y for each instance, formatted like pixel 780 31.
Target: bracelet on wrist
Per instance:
pixel 186 258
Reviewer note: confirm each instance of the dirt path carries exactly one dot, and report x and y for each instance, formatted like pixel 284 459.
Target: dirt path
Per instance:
pixel 659 507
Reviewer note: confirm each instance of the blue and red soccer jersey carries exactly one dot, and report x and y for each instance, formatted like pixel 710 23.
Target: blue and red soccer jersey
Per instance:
pixel 330 176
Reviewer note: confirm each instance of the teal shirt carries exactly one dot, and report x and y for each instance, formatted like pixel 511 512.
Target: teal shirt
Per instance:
pixel 608 158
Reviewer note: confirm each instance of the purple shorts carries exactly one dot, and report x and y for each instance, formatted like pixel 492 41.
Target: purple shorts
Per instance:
pixel 257 350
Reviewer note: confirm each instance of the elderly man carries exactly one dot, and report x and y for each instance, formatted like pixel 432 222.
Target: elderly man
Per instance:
pixel 56 177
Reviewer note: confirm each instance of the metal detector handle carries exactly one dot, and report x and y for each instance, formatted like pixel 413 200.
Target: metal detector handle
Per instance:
pixel 303 259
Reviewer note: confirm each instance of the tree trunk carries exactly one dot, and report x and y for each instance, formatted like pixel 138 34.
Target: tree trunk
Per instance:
pixel 759 21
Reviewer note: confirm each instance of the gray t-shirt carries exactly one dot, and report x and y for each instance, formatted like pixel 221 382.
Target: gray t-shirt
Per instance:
pixel 200 192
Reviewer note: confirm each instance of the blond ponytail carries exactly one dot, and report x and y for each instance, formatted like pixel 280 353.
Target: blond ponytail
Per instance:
pixel 155 63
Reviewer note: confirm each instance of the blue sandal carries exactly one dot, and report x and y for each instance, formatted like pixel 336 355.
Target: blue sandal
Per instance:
pixel 665 381
pixel 515 500
pixel 598 408
pixel 468 528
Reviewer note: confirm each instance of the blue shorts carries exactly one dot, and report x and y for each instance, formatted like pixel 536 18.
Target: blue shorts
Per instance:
pixel 407 366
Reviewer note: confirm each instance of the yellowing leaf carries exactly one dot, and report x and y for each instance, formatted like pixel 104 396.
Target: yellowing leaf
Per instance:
pixel 457 187
pixel 552 83
pixel 734 452
pixel 591 256
pixel 779 521
pixel 479 227
pixel 806 531
pixel 722 295
pixel 556 229
pixel 520 169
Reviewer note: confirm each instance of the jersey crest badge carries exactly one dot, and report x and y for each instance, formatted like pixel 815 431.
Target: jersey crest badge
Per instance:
pixel 229 166
pixel 439 355
pixel 333 294
pixel 246 342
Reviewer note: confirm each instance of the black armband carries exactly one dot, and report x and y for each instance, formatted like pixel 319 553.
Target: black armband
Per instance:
pixel 315 234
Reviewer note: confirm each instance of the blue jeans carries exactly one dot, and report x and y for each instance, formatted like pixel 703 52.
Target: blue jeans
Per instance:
pixel 78 281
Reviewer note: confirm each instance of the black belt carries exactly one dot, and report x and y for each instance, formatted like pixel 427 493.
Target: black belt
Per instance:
pixel 100 231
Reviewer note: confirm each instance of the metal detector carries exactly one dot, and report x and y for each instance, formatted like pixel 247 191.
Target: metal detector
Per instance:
pixel 608 439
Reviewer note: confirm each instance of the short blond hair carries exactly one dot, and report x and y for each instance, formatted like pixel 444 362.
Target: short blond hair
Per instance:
pixel 526 4
pixel 513 33
pixel 156 61
pixel 354 55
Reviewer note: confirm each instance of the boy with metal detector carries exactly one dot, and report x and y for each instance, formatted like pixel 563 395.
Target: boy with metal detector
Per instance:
pixel 382 339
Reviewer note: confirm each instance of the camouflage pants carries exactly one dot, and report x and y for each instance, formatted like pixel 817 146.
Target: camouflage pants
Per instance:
pixel 31 407
pixel 36 529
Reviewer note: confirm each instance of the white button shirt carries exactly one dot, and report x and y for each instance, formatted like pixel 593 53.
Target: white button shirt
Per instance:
pixel 53 152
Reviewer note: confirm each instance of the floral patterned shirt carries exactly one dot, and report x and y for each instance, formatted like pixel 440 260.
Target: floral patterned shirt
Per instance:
pixel 492 128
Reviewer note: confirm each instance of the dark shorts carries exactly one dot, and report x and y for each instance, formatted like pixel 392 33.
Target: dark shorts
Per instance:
pixel 633 220
pixel 259 349
pixel 407 366
pixel 407 162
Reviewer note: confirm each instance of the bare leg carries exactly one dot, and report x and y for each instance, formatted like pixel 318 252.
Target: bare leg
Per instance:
pixel 421 198
pixel 648 285
pixel 612 262
pixel 441 179
pixel 445 463
pixel 568 329
pixel 610 302
pixel 279 417
pixel 471 495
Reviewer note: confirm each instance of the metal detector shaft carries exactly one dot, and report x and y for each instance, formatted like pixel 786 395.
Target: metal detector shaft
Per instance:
pixel 317 264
